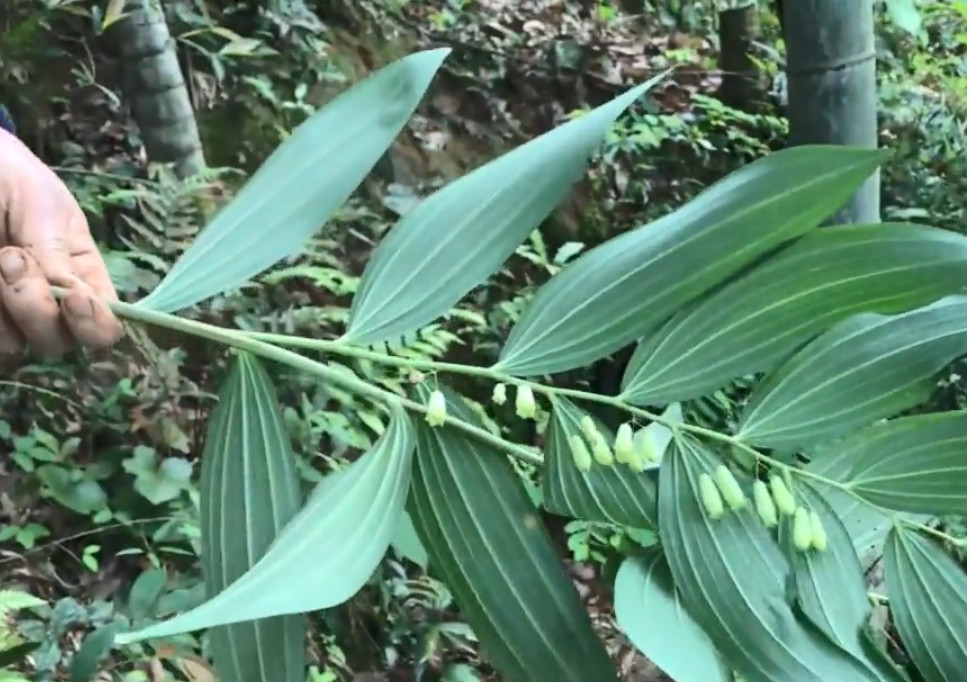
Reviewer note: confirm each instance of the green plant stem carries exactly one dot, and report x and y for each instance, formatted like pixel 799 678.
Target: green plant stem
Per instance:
pixel 269 346
pixel 347 350
pixel 349 381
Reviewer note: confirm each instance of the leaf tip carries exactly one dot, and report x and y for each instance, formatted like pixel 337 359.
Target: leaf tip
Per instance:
pixel 432 58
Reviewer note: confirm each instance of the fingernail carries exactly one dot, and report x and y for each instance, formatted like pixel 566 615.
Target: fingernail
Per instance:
pixel 79 306
pixel 12 266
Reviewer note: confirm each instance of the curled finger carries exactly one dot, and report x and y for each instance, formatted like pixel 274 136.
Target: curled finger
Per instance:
pixel 30 306
pixel 90 321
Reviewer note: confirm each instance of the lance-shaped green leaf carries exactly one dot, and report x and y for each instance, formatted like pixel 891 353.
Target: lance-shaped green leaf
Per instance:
pixel 867 526
pixel 649 611
pixel 731 576
pixel 829 584
pixel 913 464
pixel 830 589
pixel 865 368
pixel 460 235
pixel 327 552
pixel 249 492
pixel 928 601
pixel 631 284
pixel 488 545
pixel 751 324
pixel 615 494
pixel 301 185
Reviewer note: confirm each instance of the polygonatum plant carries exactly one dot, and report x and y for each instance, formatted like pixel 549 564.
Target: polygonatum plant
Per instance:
pixel 764 531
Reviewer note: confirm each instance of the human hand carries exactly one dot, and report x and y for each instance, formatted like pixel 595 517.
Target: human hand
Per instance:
pixel 45 241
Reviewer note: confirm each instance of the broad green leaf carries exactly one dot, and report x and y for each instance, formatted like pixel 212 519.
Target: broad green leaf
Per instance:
pixel 928 601
pixel 95 648
pixel 461 234
pixel 614 494
pixel 488 545
pixel 829 585
pixel 249 492
pixel 867 526
pixel 731 576
pixel 145 592
pixel 914 464
pixel 751 324
pixel 830 589
pixel 615 293
pixel 649 611
pixel 326 553
pixel 83 495
pixel 14 600
pixel 158 482
pixel 300 186
pixel 865 368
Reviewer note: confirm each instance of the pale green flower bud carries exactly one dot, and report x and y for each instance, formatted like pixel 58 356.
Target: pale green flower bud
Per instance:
pixel 601 451
pixel 785 502
pixel 819 539
pixel 731 490
pixel 580 453
pixel 636 463
pixel 525 405
pixel 436 409
pixel 588 427
pixel 645 447
pixel 710 496
pixel 802 530
pixel 500 394
pixel 765 507
pixel 624 447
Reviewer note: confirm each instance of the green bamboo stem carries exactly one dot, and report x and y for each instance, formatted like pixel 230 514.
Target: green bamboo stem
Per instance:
pixel 831 67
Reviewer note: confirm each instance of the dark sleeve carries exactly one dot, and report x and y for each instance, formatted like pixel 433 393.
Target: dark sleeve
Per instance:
pixel 6 123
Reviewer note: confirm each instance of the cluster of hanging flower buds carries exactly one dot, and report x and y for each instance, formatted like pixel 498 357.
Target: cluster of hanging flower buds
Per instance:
pixel 631 450
pixel 524 404
pixel 720 490
pixel 634 450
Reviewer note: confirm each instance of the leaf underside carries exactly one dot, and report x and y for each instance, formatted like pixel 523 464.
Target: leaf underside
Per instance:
pixel 488 545
pixel 914 464
pixel 648 609
pixel 753 323
pixel 628 286
pixel 928 600
pixel 327 552
pixel 249 492
pixel 731 576
pixel 865 368
pixel 462 234
pixel 300 186
pixel 613 494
